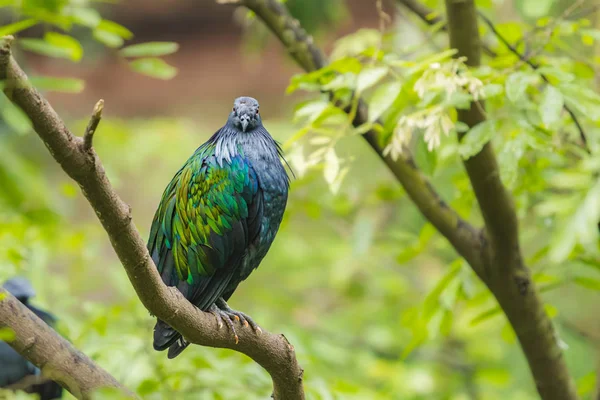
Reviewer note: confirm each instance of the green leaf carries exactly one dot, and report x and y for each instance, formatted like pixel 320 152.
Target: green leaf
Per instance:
pixel 355 43
pixel 508 334
pixel 311 110
pixel 485 315
pixel 15 118
pixel 588 283
pixel 492 90
pixel 369 77
pixel 551 106
pixel 508 159
pixel 332 166
pixel 65 85
pixel 66 42
pixel 476 138
pixel 551 311
pixel 341 81
pixel 54 45
pixel 117 29
pixel 148 386
pixel 86 16
pixel 149 49
pixel 537 9
pixel 345 65
pixel 556 73
pixel 383 98
pixel 330 115
pixel 107 38
pixel 511 30
pixel 11 29
pixel 516 85
pixel 426 160
pixel 154 67
pixel 586 384
pixel 495 376
pixel 562 244
pixel 431 303
pixel 582 99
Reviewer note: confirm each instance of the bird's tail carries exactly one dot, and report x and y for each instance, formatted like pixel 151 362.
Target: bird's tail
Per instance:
pixel 164 336
pixel 176 348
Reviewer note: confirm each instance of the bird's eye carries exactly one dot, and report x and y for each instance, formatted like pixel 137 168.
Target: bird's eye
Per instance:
pixel 257 110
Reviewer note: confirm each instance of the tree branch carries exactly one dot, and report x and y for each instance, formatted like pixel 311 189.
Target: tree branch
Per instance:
pixel 463 236
pixel 506 275
pixel 431 17
pixel 54 355
pixel 273 352
pixel 499 263
pixel 88 136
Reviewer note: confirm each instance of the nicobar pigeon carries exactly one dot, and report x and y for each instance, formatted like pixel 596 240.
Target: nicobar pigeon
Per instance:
pixel 13 367
pixel 218 217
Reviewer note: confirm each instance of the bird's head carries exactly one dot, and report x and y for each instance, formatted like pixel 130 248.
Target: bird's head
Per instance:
pixel 244 115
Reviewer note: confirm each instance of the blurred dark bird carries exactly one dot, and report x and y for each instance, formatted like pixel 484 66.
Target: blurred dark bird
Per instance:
pixel 15 371
pixel 218 217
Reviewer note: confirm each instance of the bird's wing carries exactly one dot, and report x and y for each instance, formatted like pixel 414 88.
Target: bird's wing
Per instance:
pixel 206 219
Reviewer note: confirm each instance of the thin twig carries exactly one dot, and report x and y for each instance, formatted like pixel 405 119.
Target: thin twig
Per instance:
pixel 535 66
pixel 88 136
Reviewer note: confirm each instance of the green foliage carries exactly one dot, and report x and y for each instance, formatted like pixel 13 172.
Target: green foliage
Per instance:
pixel 373 299
pixel 413 98
pixel 60 19
pixel 154 67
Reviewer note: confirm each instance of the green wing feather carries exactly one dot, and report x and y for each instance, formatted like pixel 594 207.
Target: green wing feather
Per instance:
pixel 200 225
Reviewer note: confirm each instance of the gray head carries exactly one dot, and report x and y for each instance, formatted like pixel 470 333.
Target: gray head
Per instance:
pixel 244 115
pixel 20 288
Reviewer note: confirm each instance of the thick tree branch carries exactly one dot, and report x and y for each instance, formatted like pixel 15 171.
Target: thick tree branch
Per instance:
pixel 54 355
pixel 272 352
pixel 495 203
pixel 506 275
pixel 464 237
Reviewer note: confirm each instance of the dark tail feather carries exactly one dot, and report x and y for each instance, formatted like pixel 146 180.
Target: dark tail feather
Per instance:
pixel 177 347
pixel 164 336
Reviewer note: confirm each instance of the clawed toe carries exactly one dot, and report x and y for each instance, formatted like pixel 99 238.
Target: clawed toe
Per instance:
pixel 244 319
pixel 223 316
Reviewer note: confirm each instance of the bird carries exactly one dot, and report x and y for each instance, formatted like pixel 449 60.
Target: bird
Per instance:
pixel 217 219
pixel 15 369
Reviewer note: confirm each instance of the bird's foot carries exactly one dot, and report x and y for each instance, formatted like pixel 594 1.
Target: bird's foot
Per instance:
pixel 223 316
pixel 238 315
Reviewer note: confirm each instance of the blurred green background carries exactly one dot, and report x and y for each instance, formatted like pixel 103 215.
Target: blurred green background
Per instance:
pixel 375 302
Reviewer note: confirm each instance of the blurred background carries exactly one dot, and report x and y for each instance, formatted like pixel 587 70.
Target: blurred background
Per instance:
pixel 375 302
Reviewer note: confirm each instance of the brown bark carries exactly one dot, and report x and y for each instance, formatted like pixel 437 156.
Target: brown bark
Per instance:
pixel 55 356
pixel 505 273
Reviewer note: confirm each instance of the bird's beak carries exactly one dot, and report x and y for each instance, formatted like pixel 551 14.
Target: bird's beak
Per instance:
pixel 244 122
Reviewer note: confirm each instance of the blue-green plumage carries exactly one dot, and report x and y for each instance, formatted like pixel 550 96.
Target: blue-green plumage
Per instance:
pixel 218 216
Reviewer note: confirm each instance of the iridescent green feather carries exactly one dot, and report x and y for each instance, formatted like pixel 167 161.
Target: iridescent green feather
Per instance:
pixel 203 199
